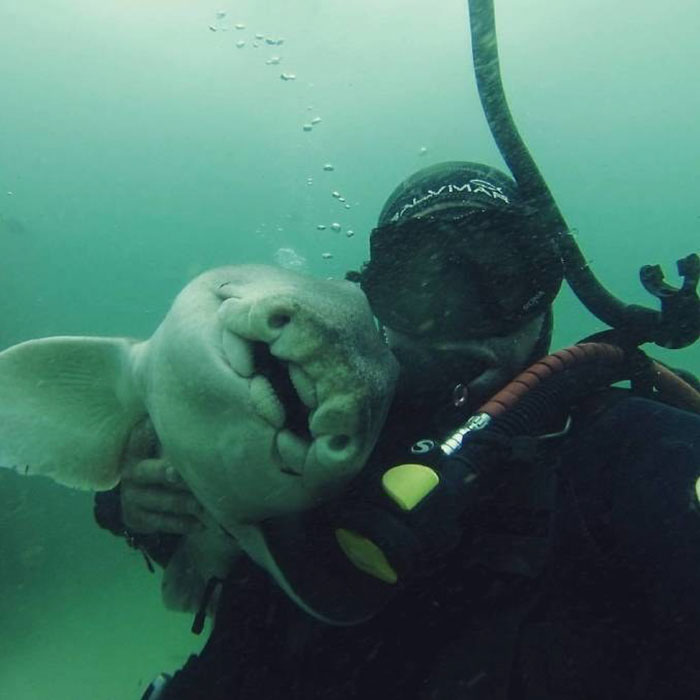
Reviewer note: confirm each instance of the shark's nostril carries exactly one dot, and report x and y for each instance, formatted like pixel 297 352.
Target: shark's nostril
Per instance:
pixel 278 320
pixel 339 442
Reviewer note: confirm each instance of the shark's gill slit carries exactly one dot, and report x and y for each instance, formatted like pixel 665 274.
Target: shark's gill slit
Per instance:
pixel 277 373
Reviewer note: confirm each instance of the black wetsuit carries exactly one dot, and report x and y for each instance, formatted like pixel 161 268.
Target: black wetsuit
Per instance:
pixel 578 579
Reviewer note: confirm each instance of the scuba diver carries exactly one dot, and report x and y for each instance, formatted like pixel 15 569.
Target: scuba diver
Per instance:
pixel 525 529
pixel 573 573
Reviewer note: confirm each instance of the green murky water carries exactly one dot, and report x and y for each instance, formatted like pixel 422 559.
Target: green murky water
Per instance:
pixel 139 145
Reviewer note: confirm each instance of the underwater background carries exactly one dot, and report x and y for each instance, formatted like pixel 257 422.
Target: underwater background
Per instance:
pixel 143 141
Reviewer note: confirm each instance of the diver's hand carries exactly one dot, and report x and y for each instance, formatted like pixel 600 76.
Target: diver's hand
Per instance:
pixel 154 498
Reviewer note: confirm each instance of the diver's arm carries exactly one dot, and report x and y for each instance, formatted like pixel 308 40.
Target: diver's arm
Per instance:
pixel 151 507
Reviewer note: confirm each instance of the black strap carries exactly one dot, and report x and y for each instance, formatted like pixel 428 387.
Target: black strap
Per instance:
pixel 201 616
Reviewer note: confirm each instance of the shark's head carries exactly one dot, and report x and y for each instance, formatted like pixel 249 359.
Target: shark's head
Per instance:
pixel 267 389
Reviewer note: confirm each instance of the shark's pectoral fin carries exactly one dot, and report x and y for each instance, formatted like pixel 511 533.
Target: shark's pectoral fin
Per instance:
pixel 67 406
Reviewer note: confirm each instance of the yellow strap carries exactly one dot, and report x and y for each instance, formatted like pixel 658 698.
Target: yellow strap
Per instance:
pixel 408 484
pixel 365 555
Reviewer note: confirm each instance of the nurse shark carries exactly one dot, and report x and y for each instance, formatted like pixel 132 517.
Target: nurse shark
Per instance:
pixel 266 389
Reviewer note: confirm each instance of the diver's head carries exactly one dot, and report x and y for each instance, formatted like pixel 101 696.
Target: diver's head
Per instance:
pixel 462 274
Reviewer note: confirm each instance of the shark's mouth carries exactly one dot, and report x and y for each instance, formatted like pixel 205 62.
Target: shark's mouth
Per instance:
pixel 284 395
pixel 277 372
pixel 305 377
